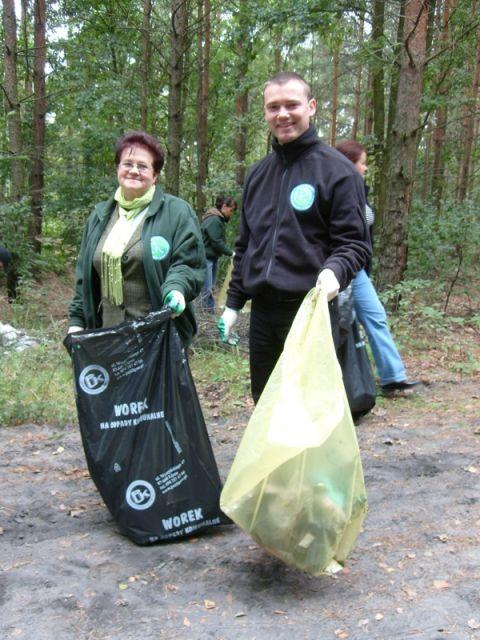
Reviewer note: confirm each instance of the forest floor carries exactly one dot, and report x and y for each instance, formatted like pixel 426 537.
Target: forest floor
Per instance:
pixel 67 573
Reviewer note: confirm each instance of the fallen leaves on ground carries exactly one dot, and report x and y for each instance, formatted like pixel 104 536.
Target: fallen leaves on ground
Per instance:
pixel 441 584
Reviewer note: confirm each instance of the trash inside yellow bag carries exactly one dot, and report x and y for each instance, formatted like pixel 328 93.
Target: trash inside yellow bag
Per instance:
pixel 296 484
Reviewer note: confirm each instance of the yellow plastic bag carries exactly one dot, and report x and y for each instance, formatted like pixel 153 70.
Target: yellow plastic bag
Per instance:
pixel 222 296
pixel 296 484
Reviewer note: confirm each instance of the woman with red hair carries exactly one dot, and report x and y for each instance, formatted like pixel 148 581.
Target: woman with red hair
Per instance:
pixel 368 308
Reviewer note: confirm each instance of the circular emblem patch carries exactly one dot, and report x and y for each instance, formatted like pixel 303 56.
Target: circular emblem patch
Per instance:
pixel 160 247
pixel 140 495
pixel 302 197
pixel 94 379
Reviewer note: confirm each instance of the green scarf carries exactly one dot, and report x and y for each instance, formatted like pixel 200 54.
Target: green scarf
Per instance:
pixel 120 234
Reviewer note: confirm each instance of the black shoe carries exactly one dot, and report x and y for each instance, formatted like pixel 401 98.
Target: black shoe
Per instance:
pixel 402 385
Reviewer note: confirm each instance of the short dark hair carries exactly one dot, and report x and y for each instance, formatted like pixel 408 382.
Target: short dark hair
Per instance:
pixel 351 149
pixel 287 76
pixel 228 200
pixel 141 139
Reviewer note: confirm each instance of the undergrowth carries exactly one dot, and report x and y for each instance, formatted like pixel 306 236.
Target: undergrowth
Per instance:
pixel 37 387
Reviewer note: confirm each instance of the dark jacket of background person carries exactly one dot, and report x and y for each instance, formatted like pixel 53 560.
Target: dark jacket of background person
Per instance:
pixel 5 258
pixel 283 248
pixel 182 269
pixel 214 233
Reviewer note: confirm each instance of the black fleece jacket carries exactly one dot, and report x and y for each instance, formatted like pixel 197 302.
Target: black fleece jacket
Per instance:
pixel 303 211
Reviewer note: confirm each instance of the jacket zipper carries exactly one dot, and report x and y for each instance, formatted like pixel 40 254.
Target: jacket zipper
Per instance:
pixel 277 220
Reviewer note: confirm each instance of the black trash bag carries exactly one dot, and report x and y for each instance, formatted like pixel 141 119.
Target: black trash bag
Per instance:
pixel 346 313
pixel 143 432
pixel 357 373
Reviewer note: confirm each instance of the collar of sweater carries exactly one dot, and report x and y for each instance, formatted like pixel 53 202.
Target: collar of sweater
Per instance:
pixel 290 151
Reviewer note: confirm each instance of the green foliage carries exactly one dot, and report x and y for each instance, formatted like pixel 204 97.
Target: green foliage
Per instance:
pixel 469 367
pixel 225 371
pixel 443 246
pixel 37 386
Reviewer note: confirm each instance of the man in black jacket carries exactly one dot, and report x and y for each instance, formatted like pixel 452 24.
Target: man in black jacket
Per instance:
pixel 302 225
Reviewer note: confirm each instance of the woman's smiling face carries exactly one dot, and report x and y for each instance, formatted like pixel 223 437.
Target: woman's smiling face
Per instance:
pixel 135 172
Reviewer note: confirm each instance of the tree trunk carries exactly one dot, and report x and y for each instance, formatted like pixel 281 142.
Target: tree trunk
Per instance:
pixel 378 91
pixel 179 23
pixel 39 111
pixel 336 67
pixel 441 115
pixel 243 50
pixel 358 83
pixel 277 54
pixel 469 127
pixel 203 63
pixel 368 122
pixel 24 28
pixel 14 127
pixel 426 163
pixel 380 196
pixel 145 64
pixel 401 169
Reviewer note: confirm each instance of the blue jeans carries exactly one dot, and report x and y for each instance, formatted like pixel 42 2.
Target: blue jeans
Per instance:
pixel 372 317
pixel 207 300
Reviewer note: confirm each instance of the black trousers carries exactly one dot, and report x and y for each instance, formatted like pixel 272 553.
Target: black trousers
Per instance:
pixel 270 320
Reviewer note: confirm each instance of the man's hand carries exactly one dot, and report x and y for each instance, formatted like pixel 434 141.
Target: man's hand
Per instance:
pixel 175 301
pixel 327 281
pixel 74 328
pixel 225 324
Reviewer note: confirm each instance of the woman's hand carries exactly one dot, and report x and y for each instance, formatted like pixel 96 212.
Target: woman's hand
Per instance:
pixel 74 329
pixel 175 301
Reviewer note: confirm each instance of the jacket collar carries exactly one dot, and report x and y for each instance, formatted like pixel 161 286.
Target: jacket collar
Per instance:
pixel 214 212
pixel 289 152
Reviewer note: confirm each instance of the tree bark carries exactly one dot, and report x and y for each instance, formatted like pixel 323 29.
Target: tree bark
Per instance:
pixel 24 28
pixel 441 116
pixel 381 186
pixel 179 39
pixel 243 50
pixel 358 84
pixel 145 62
pixel 12 104
pixel 333 124
pixel 378 91
pixel 39 111
pixel 401 166
pixel 368 122
pixel 203 63
pixel 469 127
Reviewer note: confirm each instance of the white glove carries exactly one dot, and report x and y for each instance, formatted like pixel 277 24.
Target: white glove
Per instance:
pixel 175 300
pixel 327 281
pixel 225 324
pixel 74 328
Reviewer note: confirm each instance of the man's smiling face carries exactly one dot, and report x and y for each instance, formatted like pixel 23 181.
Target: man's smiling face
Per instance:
pixel 288 110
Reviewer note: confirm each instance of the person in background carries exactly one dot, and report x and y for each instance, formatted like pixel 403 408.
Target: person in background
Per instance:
pixel 214 238
pixel 141 249
pixel 302 224
pixel 368 308
pixel 4 259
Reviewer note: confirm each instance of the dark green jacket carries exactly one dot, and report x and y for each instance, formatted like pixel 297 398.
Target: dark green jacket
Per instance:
pixel 181 269
pixel 213 234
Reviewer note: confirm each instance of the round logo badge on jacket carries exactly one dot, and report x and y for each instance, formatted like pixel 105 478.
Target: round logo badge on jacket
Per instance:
pixel 160 247
pixel 302 197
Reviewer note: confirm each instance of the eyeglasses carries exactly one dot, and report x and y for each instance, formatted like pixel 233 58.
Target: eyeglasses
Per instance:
pixel 140 166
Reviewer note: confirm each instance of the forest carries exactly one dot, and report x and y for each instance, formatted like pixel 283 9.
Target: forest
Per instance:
pixel 402 77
